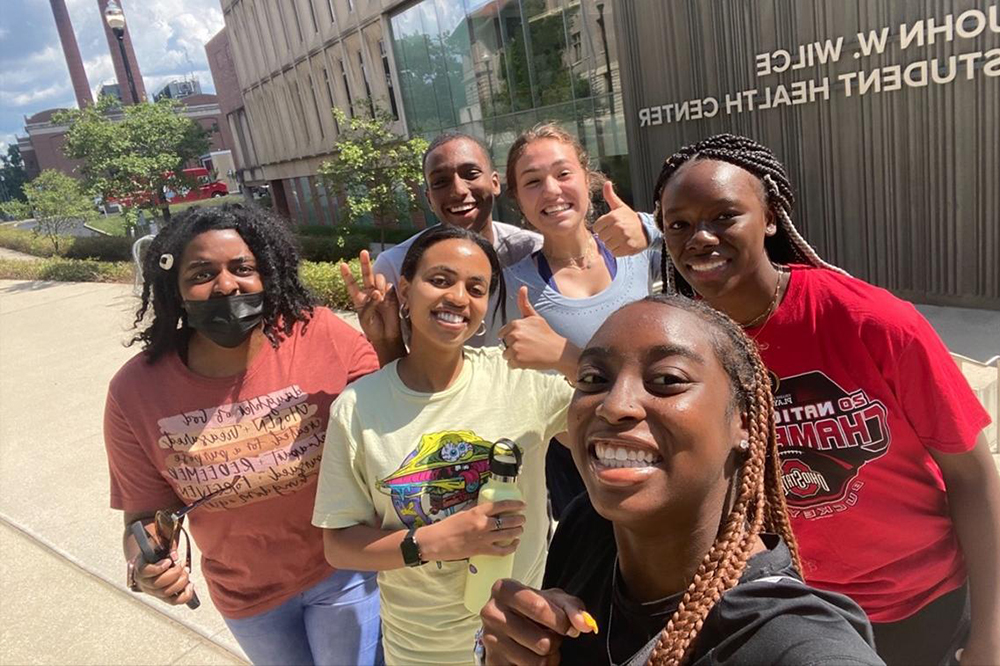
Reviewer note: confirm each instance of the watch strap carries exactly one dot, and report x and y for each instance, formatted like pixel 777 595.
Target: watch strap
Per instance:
pixel 410 549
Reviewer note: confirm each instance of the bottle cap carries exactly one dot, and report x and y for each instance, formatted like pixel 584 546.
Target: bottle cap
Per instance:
pixel 505 458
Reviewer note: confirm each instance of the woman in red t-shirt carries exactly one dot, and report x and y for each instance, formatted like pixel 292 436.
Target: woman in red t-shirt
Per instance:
pixel 893 493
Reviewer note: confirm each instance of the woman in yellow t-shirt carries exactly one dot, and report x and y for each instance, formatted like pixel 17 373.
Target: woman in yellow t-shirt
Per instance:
pixel 407 448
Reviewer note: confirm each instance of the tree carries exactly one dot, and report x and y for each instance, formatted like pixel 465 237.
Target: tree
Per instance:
pixel 376 169
pixel 134 154
pixel 59 203
pixel 13 175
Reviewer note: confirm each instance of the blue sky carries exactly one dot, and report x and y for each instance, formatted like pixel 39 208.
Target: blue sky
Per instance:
pixel 168 35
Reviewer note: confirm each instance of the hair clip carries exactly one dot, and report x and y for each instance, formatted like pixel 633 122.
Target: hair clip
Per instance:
pixel 166 261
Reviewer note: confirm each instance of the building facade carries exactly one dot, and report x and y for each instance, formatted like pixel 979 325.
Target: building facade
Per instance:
pixel 487 67
pixel 42 148
pixel 178 89
pixel 884 112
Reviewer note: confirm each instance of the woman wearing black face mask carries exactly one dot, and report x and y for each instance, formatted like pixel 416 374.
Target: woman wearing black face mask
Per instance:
pixel 233 387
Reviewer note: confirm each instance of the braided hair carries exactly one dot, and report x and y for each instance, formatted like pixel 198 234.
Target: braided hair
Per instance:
pixel 286 300
pixel 759 502
pixel 786 246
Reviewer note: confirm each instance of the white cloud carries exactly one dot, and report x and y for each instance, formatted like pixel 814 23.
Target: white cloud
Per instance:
pixel 33 97
pixel 169 38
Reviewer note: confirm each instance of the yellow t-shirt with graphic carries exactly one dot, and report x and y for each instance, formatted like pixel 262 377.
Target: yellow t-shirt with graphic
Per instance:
pixel 395 458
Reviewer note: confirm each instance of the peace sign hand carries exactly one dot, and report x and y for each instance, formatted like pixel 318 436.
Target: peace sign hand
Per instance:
pixel 377 307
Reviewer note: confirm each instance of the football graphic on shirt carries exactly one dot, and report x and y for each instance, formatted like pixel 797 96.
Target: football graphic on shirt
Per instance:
pixel 825 436
pixel 441 476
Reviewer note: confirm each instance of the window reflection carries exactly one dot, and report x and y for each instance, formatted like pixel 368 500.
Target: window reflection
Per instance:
pixel 496 67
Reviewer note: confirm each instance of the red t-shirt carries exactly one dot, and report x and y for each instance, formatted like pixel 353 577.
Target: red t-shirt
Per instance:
pixel 171 433
pixel 864 389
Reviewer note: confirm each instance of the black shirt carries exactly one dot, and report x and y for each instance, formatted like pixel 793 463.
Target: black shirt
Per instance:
pixel 770 617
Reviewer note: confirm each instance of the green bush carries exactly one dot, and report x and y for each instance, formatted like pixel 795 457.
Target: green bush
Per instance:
pixel 26 242
pixel 323 279
pixel 101 248
pixel 321 243
pixel 325 282
pixel 331 248
pixel 66 270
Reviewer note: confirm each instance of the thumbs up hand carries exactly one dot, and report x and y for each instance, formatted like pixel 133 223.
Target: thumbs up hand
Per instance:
pixel 530 342
pixel 620 229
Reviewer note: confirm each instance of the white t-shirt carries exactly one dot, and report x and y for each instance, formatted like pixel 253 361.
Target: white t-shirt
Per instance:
pixel 395 458
pixel 511 243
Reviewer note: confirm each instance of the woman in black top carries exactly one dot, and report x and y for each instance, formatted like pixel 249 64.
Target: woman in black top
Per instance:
pixel 681 552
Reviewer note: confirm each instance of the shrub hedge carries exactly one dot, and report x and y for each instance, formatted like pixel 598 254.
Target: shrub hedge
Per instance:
pixel 66 270
pixel 318 244
pixel 322 279
pixel 101 248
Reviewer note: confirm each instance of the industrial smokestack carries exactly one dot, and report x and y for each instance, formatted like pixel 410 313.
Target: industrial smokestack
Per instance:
pixel 116 58
pixel 77 74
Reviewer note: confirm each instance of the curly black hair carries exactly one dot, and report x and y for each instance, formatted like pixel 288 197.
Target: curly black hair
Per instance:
pixel 286 300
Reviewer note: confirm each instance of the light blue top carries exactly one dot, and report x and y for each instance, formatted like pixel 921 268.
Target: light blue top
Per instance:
pixel 577 319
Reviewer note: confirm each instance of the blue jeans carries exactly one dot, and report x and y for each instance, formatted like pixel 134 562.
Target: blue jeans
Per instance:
pixel 334 623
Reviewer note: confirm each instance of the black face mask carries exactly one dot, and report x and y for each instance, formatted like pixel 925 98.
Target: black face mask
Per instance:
pixel 226 321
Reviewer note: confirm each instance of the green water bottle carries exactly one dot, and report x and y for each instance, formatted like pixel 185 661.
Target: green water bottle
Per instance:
pixel 484 570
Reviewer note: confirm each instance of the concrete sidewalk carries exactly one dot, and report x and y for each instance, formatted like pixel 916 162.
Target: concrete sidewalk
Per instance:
pixel 62 595
pixel 60 344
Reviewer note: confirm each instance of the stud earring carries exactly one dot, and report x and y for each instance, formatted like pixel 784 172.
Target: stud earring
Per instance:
pixel 744 445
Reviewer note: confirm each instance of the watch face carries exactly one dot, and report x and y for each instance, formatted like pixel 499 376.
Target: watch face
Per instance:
pixel 479 652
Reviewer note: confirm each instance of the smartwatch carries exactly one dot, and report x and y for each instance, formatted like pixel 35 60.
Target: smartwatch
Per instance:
pixel 479 650
pixel 410 549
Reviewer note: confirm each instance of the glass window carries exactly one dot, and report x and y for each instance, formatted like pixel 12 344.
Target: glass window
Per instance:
pixel 312 15
pixel 347 88
pixel 496 67
pixel 295 15
pixel 330 98
pixel 368 88
pixel 319 116
pixel 388 79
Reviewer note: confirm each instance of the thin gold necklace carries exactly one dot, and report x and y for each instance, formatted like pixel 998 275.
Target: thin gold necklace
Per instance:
pixel 771 307
pixel 586 258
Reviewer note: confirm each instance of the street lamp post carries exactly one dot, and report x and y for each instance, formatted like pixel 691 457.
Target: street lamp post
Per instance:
pixel 115 18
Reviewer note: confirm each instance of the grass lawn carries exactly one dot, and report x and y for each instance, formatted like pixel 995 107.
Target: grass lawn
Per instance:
pixel 114 223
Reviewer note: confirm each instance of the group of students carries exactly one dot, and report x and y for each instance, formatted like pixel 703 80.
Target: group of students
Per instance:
pixel 770 462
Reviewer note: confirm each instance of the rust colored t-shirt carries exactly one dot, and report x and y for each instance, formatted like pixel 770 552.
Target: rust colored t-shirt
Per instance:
pixel 172 434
